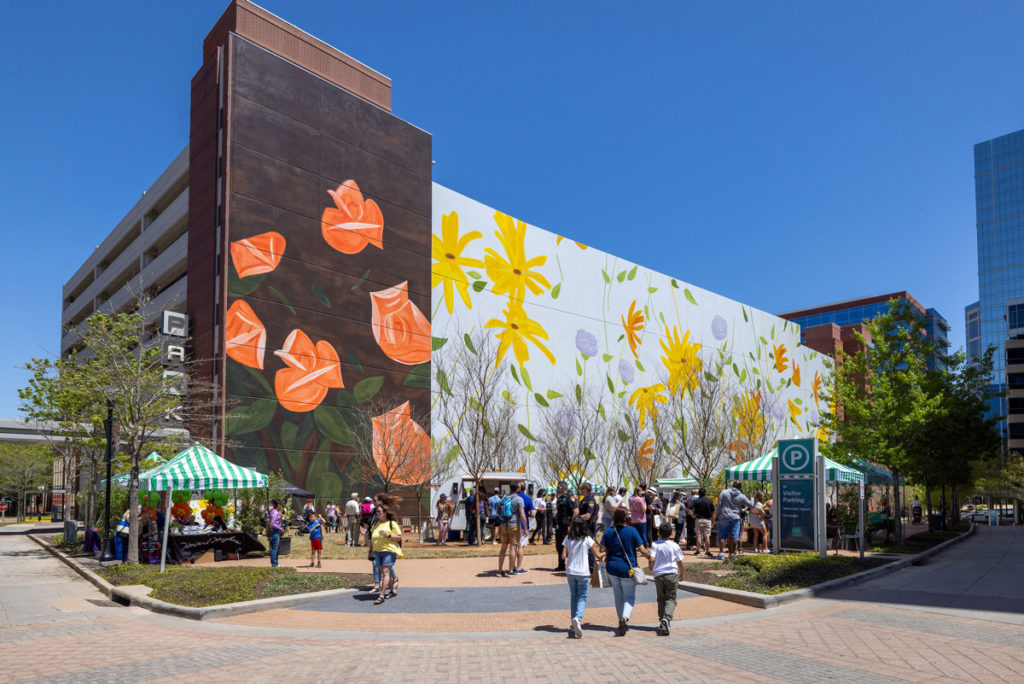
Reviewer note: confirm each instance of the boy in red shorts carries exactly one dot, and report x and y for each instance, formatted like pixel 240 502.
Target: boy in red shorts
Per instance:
pixel 316 537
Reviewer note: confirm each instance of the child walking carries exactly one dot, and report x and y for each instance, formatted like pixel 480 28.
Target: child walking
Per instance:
pixel 315 528
pixel 575 555
pixel 667 567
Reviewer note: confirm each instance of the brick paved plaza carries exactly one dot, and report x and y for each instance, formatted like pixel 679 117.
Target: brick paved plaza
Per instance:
pixel 957 617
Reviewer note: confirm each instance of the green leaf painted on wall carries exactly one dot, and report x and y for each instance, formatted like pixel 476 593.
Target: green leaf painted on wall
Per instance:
pixel 675 284
pixel 469 343
pixel 744 310
pixel 289 435
pixel 556 290
pixel 353 360
pixel 579 368
pixel 253 418
pixel 632 273
pixel 552 394
pixel 689 296
pixel 540 399
pixel 529 448
pixel 283 299
pixel 743 375
pixel 367 388
pixel 611 385
pixel 437 342
pixel 710 377
pixel 639 366
pixel 452 454
pixel 588 453
pixel 526 377
pixel 606 357
pixel 479 285
pixel 652 290
pixel 600 411
pixel 515 376
pixel 526 433
pixel 332 424
pixel 419 376
pixel 622 435
pixel 360 281
pixel 604 274
pixel 507 396
pixel 621 276
pixel 242 287
pixel 346 400
pixel 475 275
pixel 321 296
pixel 476 405
pixel 579 395
pixel 247 380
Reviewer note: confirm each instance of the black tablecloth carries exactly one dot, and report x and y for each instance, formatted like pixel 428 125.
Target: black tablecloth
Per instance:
pixel 182 548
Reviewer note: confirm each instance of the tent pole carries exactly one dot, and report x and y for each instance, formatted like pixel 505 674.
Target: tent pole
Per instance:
pixel 167 529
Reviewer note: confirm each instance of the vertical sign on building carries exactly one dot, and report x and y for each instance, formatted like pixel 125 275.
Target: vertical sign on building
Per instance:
pixel 798 483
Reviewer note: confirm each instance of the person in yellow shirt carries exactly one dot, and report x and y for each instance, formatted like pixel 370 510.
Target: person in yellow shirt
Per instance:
pixel 386 541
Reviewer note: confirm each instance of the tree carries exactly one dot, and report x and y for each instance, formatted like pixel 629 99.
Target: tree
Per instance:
pixel 475 408
pixel 703 422
pixel 637 443
pixel 392 439
pixel 23 468
pixel 571 436
pixel 887 399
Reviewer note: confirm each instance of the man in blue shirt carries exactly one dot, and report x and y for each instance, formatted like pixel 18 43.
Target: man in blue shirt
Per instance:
pixel 470 505
pixel 492 513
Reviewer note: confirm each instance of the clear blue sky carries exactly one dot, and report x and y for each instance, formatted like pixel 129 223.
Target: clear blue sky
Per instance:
pixel 782 154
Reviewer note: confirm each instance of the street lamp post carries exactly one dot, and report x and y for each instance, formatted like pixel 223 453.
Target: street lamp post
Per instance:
pixel 108 541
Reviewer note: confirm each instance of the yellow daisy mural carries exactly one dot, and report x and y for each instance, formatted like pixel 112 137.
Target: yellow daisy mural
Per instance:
pixel 681 361
pixel 449 262
pixel 512 273
pixel 516 331
pixel 644 400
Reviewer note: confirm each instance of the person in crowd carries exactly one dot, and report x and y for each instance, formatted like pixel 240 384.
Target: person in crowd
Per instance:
pixel 649 497
pixel 444 518
pixel 621 545
pixel 366 519
pixel 730 501
pixel 531 514
pixel 676 514
pixel 331 514
pixel 352 513
pixel 587 507
pixel 703 511
pixel 638 512
pixel 611 502
pixel 308 508
pixel 511 519
pixel 757 524
pixel 540 511
pixel 275 526
pixel 565 510
pixel 576 549
pixel 667 567
pixel 471 517
pixel 386 542
pixel 691 520
pixel 315 528
pixel 492 514
pixel 549 530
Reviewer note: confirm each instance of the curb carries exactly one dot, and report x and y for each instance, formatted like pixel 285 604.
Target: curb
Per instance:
pixel 749 598
pixel 129 598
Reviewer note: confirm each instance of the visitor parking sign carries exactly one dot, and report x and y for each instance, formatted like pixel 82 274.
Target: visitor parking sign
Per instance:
pixel 798 482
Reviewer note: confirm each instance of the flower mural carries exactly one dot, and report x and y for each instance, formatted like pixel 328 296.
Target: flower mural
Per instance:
pixel 779 354
pixel 626 371
pixel 245 336
pixel 353 222
pixel 796 373
pixel 512 273
pixel 586 343
pixel 401 448
pixel 516 331
pixel 794 412
pixel 681 361
pixel 719 328
pixel 816 388
pixel 749 419
pixel 449 261
pixel 257 254
pixel 311 371
pixel 645 401
pixel 400 328
pixel 633 323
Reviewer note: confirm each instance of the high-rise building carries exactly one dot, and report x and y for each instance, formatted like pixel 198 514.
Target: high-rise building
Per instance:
pixel 999 206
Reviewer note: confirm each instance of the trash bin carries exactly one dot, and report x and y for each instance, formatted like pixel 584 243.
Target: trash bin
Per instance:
pixel 936 522
pixel 118 547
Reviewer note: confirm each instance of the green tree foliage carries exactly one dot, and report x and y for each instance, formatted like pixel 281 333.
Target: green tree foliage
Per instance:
pixel 23 468
pixel 253 503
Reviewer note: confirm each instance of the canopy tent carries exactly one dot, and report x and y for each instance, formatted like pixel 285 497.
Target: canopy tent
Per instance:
pixel 875 475
pixel 197 468
pixel 760 470
pixel 295 490
pixel 676 483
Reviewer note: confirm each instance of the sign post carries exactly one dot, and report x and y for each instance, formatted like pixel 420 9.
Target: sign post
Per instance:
pixel 798 481
pixel 3 512
pixel 860 521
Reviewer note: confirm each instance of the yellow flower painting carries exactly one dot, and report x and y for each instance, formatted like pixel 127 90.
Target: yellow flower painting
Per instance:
pixel 681 361
pixel 644 400
pixel 512 273
pixel 516 331
pixel 447 252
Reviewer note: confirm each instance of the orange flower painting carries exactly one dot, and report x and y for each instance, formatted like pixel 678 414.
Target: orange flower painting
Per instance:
pixel 400 328
pixel 257 254
pixel 781 363
pixel 796 374
pixel 355 222
pixel 633 322
pixel 311 371
pixel 816 388
pixel 245 337
pixel 401 448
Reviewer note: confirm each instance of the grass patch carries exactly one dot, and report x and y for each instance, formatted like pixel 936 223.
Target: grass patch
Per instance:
pixel 921 541
pixel 778 573
pixel 198 587
pixel 74 547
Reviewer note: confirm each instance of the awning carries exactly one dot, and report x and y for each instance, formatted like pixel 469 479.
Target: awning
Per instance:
pixel 199 468
pixel 676 483
pixel 760 470
pixel 876 475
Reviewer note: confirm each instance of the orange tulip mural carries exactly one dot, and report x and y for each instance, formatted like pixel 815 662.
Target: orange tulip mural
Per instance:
pixel 400 328
pixel 245 337
pixel 257 254
pixel 355 223
pixel 311 371
pixel 401 448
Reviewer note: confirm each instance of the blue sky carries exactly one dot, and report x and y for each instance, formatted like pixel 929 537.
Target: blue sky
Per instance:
pixel 782 154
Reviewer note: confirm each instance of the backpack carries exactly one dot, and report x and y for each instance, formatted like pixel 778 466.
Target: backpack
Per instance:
pixel 505 509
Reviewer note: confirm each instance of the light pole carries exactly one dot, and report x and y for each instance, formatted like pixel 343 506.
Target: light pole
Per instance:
pixel 108 541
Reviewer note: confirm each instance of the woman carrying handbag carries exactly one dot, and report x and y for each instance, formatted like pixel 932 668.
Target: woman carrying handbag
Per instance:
pixel 621 544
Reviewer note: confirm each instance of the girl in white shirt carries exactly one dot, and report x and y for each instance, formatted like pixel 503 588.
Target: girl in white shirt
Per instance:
pixel 576 551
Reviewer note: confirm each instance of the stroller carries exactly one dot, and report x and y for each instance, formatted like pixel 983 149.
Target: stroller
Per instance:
pixel 916 513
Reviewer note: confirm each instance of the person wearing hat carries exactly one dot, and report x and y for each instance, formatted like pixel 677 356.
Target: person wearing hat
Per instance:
pixel 366 519
pixel 445 508
pixel 566 509
pixel 352 513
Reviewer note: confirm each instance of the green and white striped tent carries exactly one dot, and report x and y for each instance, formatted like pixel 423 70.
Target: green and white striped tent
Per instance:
pixel 199 468
pixel 148 464
pixel 760 470
pixel 875 475
pixel 676 483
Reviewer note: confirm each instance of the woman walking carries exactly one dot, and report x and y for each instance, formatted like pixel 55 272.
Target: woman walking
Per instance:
pixel 757 526
pixel 386 540
pixel 577 570
pixel 621 544
pixel 638 512
pixel 444 519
